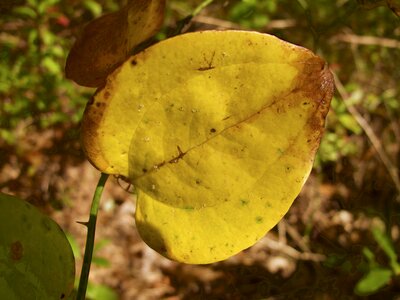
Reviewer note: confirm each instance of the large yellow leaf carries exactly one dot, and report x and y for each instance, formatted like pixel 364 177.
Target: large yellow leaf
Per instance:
pixel 107 41
pixel 217 131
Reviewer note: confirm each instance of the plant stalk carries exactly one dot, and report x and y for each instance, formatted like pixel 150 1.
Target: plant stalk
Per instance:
pixel 182 23
pixel 91 226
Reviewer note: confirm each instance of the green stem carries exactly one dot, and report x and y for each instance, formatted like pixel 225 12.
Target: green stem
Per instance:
pixel 91 226
pixel 182 23
pixel 201 6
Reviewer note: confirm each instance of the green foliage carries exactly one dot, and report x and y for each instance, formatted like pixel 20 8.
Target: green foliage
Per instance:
pixel 100 291
pixel 375 279
pixel 94 7
pixel 336 143
pixel 74 246
pixel 32 54
pixel 252 13
pixel 99 260
pixel 378 276
pixel 386 245
pixel 94 291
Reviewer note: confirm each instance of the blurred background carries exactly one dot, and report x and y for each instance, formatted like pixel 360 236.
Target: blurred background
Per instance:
pixel 340 239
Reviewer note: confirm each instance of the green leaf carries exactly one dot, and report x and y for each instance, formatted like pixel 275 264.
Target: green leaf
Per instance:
pixel 94 7
pixel 217 130
pixel 48 37
pixel 51 65
pixel 36 258
pixel 43 5
pixel 101 244
pixel 373 281
pixel 25 11
pixel 349 123
pixel 74 246
pixel 385 243
pixel 100 261
pixel 97 292
pixel 370 256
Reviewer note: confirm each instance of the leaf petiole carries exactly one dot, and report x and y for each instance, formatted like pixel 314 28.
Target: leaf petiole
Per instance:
pixel 182 23
pixel 91 226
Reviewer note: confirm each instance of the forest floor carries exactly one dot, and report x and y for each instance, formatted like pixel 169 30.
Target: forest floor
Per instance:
pixel 315 252
pixel 325 243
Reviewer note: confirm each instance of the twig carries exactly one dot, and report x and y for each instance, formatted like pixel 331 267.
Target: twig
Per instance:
pixel 294 234
pixel 201 6
pixel 273 24
pixel 281 24
pixel 180 25
pixel 390 167
pixel 216 22
pixel 91 226
pixel 290 251
pixel 366 40
pixel 282 232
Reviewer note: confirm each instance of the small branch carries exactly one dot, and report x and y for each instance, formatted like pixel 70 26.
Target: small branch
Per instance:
pixel 201 6
pixel 87 258
pixel 366 40
pixel 298 239
pixel 224 24
pixel 281 24
pixel 181 24
pixel 282 232
pixel 390 167
pixel 216 22
pixel 290 251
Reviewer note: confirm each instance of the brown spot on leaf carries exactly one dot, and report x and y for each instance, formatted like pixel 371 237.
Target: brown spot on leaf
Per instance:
pixel 259 219
pixel 180 156
pixel 209 63
pixel 315 82
pixel 205 68
pixel 160 165
pixel 100 104
pixel 16 251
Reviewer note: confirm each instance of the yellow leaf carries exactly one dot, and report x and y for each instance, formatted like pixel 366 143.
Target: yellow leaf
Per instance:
pixel 217 131
pixel 107 41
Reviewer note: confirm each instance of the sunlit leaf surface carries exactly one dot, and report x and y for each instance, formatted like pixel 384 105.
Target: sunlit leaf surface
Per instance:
pixel 217 131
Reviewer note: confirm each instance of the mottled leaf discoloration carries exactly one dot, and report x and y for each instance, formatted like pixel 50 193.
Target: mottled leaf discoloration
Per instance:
pixel 16 251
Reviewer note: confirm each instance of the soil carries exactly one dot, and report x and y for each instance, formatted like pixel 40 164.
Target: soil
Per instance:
pixel 315 252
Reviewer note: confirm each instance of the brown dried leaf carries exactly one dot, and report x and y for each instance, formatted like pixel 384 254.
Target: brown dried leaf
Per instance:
pixel 107 41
